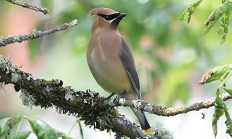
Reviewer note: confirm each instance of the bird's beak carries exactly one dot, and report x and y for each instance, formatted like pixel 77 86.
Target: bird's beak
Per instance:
pixel 122 15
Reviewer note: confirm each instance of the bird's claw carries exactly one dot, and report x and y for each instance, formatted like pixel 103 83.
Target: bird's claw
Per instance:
pixel 103 99
pixel 116 100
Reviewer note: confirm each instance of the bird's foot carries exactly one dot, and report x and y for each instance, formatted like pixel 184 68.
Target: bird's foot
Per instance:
pixel 103 99
pixel 118 97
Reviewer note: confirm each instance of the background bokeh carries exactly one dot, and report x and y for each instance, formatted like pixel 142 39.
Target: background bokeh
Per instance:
pixel 171 56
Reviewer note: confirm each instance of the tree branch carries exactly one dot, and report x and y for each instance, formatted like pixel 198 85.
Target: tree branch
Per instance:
pixel 39 92
pixel 164 111
pixel 35 34
pixel 25 5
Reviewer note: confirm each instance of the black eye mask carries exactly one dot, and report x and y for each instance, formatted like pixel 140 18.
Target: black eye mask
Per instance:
pixel 109 17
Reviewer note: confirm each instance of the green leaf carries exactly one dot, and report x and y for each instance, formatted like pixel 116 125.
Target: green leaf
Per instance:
pixel 186 16
pixel 9 123
pixel 14 121
pixel 217 73
pixel 24 135
pixel 21 135
pixel 41 129
pixel 229 127
pixel 228 121
pixel 216 14
pixel 228 90
pixel 218 112
pixel 223 29
pixel 61 134
pixel 2 125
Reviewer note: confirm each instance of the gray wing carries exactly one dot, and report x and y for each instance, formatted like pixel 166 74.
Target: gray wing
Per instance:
pixel 129 65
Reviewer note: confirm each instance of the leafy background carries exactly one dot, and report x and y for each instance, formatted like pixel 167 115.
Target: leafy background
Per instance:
pixel 171 56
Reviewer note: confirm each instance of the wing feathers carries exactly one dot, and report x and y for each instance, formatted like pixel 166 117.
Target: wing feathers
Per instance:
pixel 129 65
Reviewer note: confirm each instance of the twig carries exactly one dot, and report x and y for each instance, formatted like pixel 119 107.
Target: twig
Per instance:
pixel 35 34
pixel 25 5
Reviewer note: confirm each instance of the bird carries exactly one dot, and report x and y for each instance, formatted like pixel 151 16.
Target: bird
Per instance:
pixel 111 62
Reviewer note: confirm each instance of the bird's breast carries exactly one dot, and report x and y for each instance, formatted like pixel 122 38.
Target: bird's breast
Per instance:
pixel 106 66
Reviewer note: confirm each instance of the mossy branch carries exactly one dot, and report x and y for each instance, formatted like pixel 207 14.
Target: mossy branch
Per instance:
pixel 39 92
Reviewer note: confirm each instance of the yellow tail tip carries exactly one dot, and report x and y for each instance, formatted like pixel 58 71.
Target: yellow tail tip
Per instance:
pixel 147 131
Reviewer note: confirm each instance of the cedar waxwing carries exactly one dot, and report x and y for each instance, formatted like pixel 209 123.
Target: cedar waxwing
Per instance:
pixel 110 59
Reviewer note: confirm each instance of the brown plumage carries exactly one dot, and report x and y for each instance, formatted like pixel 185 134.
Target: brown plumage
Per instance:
pixel 111 61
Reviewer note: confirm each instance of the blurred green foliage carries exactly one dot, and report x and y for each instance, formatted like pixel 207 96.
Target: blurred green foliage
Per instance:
pixel 170 55
pixel 41 129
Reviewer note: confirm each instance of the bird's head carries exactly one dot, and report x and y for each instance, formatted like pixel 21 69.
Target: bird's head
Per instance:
pixel 106 18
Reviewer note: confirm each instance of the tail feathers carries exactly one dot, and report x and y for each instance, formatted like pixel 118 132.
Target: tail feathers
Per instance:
pixel 147 131
pixel 143 121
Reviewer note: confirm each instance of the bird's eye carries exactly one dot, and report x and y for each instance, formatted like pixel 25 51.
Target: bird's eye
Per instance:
pixel 106 17
pixel 109 17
